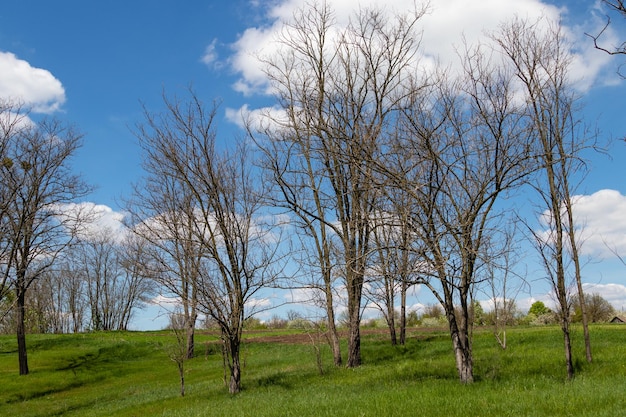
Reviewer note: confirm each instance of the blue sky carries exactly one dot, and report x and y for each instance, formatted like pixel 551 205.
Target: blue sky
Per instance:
pixel 94 63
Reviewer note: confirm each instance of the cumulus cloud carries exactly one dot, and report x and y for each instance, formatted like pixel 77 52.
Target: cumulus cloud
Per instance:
pixel 95 219
pixel 613 293
pixel 446 25
pixel 166 302
pixel 210 56
pixel 600 219
pixel 256 304
pixel 256 119
pixel 36 87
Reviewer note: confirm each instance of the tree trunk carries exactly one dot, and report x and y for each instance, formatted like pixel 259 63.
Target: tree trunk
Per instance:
pixel 334 339
pixel 568 347
pixel 234 387
pixel 403 314
pixel 391 322
pixel 191 326
pixel 462 351
pixel 579 285
pixel 21 333
pixel 181 373
pixel 355 288
pixel 354 325
pixel 332 327
pixel 354 345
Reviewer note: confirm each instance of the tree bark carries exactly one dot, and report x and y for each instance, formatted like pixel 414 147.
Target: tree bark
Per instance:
pixel 568 347
pixel 392 327
pixel 332 329
pixel 21 333
pixel 354 346
pixel 234 386
pixel 462 351
pixel 191 326
pixel 354 323
pixel 403 314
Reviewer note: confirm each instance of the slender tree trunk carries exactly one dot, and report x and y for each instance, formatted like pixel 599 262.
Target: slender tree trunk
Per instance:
pixel 568 347
pixel 391 322
pixel 403 314
pixel 332 333
pixel 579 284
pixel 354 324
pixel 330 314
pixel 190 331
pixel 21 332
pixel 181 373
pixel 585 321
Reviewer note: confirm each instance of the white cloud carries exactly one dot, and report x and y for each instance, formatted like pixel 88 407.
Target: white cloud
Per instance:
pixel 210 54
pixel 166 302
pixel 256 304
pixel 599 222
pixel 602 224
pixel 257 119
pixel 613 293
pixel 96 219
pixel 444 27
pixel 36 87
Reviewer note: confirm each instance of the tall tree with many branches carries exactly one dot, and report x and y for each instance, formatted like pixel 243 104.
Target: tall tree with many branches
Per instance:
pixel 235 253
pixel 541 57
pixel 37 184
pixel 338 89
pixel 163 211
pixel 460 145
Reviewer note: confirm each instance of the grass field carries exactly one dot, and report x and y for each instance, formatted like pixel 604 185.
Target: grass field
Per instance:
pixel 130 374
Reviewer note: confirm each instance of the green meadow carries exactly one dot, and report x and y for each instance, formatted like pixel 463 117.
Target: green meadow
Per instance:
pixel 130 374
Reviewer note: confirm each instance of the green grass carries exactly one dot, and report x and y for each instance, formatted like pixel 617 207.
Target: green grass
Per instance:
pixel 129 374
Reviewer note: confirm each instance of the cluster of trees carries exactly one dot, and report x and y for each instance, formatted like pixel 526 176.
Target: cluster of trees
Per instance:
pixel 393 169
pixel 56 274
pixel 96 285
pixel 388 171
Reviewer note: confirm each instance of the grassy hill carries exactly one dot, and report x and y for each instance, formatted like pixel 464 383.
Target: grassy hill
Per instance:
pixel 130 374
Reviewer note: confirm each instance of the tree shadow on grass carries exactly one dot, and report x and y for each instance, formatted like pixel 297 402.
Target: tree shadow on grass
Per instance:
pixel 276 379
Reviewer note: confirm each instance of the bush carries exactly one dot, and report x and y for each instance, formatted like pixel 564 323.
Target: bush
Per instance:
pixel 252 323
pixel 412 319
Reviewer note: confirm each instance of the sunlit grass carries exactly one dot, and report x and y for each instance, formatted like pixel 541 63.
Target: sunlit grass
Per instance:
pixel 129 374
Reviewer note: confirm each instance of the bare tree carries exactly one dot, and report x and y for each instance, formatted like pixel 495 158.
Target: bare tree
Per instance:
pixel 598 308
pixel 49 299
pixel 237 250
pixel 97 262
pixel 136 286
pixel 541 58
pixel 395 263
pixel 13 120
pixel 178 351
pixel 36 184
pixel 164 212
pixel 460 147
pixel 501 284
pixel 65 304
pixel 338 89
